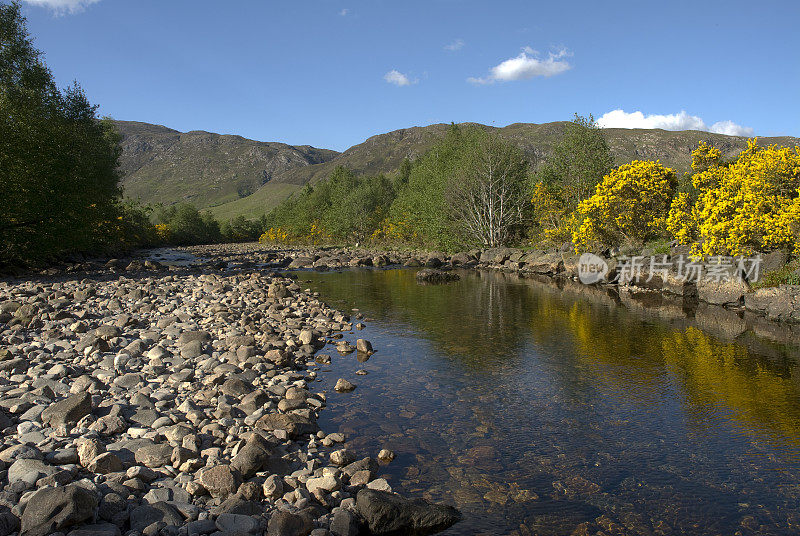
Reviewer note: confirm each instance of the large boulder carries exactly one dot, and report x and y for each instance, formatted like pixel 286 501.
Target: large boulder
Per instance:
pixel 389 514
pixel 146 515
pixel 9 523
pixel 154 455
pixel 294 425
pixel 54 509
pixel 543 263
pixel 725 292
pixel 256 455
pixel 283 523
pixel 68 411
pixel 221 480
pixel 777 303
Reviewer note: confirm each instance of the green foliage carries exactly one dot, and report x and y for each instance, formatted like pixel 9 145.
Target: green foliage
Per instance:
pixel 578 162
pixel 423 205
pixel 788 274
pixel 240 229
pixel 134 228
pixel 58 178
pixel 440 201
pixel 187 226
pixel 343 208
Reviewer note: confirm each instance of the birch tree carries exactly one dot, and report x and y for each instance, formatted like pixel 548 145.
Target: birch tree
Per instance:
pixel 488 192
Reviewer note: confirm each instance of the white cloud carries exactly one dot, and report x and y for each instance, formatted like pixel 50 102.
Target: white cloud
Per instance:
pixel 458 44
pixel 344 12
pixel 397 78
pixel 731 129
pixel 63 6
pixel 679 121
pixel 527 65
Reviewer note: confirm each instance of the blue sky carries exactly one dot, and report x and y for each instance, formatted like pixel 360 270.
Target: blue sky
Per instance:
pixel 331 73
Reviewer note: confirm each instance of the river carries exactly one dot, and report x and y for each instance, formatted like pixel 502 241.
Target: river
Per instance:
pixel 540 411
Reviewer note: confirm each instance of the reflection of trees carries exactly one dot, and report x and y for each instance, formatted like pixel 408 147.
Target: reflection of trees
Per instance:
pixel 483 322
pixel 634 358
pixel 475 320
pixel 760 393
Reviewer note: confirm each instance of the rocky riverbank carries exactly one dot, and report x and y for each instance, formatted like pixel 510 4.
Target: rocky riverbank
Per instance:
pixel 779 304
pixel 143 399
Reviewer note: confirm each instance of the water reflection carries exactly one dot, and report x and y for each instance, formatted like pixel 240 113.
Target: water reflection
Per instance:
pixel 545 410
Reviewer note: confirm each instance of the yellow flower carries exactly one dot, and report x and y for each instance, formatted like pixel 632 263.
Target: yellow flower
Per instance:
pixel 630 203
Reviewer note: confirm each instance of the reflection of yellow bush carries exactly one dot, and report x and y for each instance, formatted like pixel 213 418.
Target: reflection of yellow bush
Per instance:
pixel 629 204
pixel 713 372
pixel 751 205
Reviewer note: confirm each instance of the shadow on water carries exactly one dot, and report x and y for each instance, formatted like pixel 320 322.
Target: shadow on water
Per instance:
pixel 549 409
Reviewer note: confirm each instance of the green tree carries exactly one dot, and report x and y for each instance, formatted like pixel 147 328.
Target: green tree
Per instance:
pixel 58 162
pixel 488 193
pixel 187 226
pixel 240 229
pixel 577 163
pixel 422 205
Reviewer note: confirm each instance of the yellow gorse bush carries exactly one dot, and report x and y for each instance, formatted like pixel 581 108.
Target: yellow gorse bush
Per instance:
pixel 400 230
pixel 748 206
pixel 274 235
pixel 162 232
pixel 630 204
pixel 552 215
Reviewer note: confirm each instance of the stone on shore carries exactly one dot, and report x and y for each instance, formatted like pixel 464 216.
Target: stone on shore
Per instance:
pixel 54 509
pixel 68 411
pixel 386 513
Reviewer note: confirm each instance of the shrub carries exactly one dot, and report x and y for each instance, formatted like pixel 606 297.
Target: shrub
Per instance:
pixel 187 226
pixel 274 236
pixel 751 205
pixel 629 205
pixel 240 229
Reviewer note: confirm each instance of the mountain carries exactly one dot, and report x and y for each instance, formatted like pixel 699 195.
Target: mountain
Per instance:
pixel 223 173
pixel 161 165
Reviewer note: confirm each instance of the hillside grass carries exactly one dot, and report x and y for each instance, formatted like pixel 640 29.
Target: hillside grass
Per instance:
pixel 256 205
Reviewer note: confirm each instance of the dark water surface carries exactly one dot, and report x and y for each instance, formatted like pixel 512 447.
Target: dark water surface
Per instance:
pixel 538 411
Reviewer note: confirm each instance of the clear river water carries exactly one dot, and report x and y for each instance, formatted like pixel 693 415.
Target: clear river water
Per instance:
pixel 539 410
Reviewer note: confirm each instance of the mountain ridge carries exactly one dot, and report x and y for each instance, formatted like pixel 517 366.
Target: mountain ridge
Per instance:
pixel 160 164
pixel 250 177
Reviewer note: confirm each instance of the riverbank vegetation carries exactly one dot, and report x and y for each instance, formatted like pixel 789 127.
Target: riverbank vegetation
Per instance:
pixel 448 197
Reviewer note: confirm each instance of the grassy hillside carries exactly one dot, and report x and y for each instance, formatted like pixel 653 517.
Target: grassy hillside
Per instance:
pixel 161 165
pixel 269 196
pixel 233 175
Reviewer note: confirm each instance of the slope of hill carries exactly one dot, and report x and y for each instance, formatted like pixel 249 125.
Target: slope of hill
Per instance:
pixel 161 165
pixel 231 175
pixel 385 152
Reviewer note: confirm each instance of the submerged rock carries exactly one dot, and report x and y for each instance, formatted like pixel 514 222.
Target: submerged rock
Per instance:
pixel 344 386
pixel 429 275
